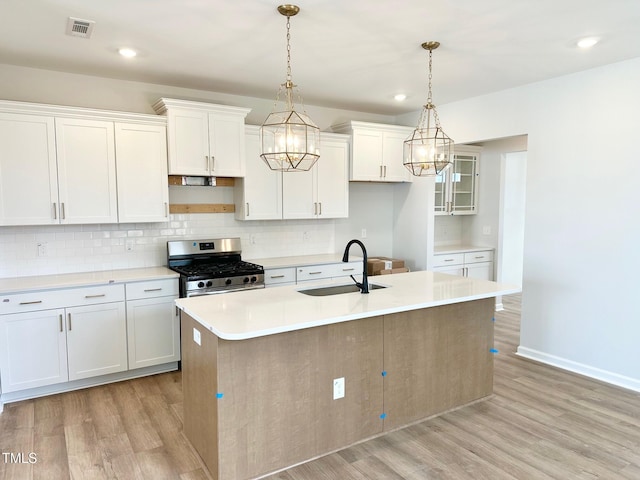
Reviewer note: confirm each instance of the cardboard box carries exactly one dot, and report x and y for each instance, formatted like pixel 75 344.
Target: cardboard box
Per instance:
pixel 375 265
pixel 389 271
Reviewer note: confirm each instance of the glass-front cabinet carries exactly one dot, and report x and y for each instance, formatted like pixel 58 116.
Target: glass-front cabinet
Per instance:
pixel 456 189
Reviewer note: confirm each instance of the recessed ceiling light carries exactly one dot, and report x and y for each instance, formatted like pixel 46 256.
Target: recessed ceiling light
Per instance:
pixel 400 97
pixel 127 52
pixel 587 42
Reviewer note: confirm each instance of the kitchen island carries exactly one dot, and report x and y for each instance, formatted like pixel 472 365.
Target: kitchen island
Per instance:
pixel 260 367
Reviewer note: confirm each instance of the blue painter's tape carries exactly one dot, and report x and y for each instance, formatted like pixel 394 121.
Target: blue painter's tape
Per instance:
pixel 219 395
pixel 384 373
pixel 194 244
pixel 493 319
pixel 493 350
pixel 383 416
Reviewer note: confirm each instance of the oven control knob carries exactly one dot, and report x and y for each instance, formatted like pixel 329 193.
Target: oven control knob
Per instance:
pixel 227 281
pixel 209 283
pixel 245 279
pixel 253 279
pixel 200 284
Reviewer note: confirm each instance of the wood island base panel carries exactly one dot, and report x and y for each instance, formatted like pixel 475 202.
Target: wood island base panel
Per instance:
pixel 259 405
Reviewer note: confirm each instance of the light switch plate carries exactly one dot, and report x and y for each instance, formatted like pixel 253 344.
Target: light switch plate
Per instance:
pixel 196 336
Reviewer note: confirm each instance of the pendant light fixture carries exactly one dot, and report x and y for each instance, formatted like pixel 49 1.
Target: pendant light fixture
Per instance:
pixel 428 150
pixel 289 139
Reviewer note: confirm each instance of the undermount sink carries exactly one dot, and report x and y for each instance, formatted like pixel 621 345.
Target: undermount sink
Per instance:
pixel 337 290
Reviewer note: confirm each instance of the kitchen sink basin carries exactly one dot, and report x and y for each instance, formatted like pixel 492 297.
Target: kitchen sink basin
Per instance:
pixel 337 290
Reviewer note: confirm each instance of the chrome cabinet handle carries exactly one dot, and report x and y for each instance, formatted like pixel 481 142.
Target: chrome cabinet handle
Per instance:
pixel 63 214
pixel 213 163
pixel 55 211
pixel 448 259
pixel 95 296
pixel 152 289
pixel 348 269
pixel 31 303
pixel 314 273
pixel 60 322
pixel 248 209
pixel 69 319
pixel 166 209
pixel 276 276
pixel 385 171
pixel 206 162
pixel 320 213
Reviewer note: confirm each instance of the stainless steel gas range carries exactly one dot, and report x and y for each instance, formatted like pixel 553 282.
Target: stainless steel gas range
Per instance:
pixel 212 266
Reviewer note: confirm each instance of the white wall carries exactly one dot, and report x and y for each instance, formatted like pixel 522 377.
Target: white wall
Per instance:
pixel 580 273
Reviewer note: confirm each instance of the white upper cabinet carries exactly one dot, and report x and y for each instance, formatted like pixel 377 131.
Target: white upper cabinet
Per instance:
pixel 258 196
pixel 323 191
pixel 58 166
pixel 376 151
pixel 28 173
pixel 456 189
pixel 86 171
pixel 204 139
pixel 141 158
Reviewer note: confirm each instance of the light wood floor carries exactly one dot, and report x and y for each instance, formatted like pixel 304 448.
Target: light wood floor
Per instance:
pixel 541 423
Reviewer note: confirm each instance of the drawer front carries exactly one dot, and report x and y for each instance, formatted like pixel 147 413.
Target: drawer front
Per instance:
pixel 152 288
pixel 478 257
pixel 68 297
pixel 314 272
pixel 279 275
pixel 347 268
pixel 449 259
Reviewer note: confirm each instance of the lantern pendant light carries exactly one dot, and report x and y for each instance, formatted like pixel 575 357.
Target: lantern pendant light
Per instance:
pixel 289 140
pixel 428 150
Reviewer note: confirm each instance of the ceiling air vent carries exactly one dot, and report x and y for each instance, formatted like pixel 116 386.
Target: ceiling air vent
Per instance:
pixel 76 27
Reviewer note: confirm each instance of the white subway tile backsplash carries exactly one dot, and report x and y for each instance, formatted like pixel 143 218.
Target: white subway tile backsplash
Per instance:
pixel 81 248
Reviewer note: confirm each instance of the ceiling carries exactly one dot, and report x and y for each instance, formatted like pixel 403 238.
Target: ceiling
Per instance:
pixel 351 54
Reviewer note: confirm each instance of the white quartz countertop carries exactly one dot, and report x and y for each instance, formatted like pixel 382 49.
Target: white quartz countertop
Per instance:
pixel 443 249
pixel 82 279
pixel 303 260
pixel 255 313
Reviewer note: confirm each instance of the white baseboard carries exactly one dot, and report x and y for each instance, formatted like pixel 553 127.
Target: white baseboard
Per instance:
pixel 580 368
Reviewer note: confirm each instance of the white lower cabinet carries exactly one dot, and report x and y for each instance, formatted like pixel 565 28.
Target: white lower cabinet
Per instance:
pixel 57 336
pixel 96 340
pixel 45 342
pixel 153 324
pixel 33 350
pixel 471 264
pixel 276 277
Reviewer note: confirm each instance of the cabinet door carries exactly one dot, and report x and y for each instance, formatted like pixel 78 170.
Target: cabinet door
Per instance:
pixel 392 151
pixel 226 140
pixel 258 196
pixel 366 160
pixel 141 157
pixel 153 328
pixel 452 270
pixel 298 194
pixel 28 176
pixel 33 350
pixel 188 135
pixel 96 340
pixel 86 171
pixel 463 183
pixel 332 170
pixel 481 271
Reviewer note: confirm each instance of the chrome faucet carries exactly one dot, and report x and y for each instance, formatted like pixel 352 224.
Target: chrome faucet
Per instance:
pixel 364 286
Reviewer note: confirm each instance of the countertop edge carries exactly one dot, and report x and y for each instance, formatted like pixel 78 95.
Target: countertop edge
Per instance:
pixel 15 285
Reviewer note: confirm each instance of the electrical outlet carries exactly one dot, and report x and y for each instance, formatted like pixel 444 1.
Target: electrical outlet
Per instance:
pixel 486 230
pixel 42 249
pixel 305 236
pixel 196 336
pixel 363 234
pixel 129 244
pixel 252 239
pixel 338 388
